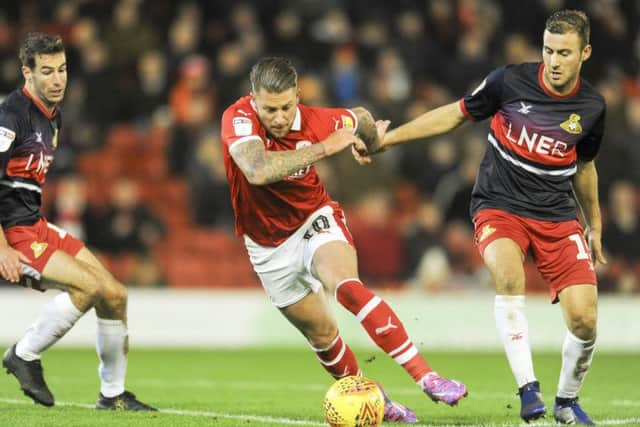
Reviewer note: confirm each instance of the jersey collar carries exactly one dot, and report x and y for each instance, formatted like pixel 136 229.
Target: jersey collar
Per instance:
pixel 549 92
pixel 40 105
pixel 297 121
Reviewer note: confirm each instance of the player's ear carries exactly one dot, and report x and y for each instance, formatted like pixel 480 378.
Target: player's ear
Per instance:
pixel 26 73
pixel 586 52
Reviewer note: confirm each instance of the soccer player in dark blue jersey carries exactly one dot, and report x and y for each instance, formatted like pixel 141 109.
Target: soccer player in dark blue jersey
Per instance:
pixel 546 128
pixel 38 254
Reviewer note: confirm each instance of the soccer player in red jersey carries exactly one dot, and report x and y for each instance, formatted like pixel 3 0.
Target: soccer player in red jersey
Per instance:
pixel 296 236
pixel 546 128
pixel 36 253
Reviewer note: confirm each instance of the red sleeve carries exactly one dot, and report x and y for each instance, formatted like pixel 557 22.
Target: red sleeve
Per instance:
pixel 239 125
pixel 327 120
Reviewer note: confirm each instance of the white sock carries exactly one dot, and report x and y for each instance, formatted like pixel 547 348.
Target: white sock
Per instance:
pixel 513 330
pixel 576 361
pixel 58 316
pixel 111 345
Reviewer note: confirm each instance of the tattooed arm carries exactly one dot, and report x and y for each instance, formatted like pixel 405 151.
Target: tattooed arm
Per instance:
pixel 262 167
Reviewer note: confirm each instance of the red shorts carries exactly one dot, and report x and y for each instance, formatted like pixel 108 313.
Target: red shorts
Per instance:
pixel 40 240
pixel 559 249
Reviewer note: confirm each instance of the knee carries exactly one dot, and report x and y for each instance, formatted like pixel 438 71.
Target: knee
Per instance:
pixel 509 281
pixel 115 294
pixel 583 324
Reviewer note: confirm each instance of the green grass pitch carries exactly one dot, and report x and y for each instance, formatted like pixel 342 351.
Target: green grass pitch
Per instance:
pixel 283 387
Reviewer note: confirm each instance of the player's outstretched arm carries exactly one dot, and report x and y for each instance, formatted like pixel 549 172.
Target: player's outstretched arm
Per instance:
pixel 585 184
pixel 262 167
pixel 435 122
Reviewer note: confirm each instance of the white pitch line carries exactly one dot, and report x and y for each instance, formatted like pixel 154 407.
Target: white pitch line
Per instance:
pixel 291 421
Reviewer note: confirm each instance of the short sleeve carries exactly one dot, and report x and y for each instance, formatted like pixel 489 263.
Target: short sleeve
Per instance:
pixel 486 99
pixel 327 120
pixel 239 126
pixel 589 146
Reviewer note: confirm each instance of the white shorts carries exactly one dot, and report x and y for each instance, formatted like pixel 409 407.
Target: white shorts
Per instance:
pixel 285 270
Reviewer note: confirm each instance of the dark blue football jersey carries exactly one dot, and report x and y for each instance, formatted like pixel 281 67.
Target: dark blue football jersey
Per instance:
pixel 28 140
pixel 535 141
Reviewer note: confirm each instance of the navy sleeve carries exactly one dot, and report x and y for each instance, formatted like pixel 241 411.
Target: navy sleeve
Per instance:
pixel 486 99
pixel 589 146
pixel 8 134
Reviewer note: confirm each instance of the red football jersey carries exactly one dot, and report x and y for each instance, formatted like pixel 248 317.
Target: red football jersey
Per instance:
pixel 270 213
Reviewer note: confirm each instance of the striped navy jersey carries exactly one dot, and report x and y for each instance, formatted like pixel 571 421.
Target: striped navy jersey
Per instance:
pixel 535 139
pixel 28 140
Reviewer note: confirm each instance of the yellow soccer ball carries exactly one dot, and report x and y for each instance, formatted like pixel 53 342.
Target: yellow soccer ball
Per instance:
pixel 354 402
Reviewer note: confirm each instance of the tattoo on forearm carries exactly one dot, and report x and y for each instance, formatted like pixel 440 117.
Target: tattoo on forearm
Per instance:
pixel 367 129
pixel 265 167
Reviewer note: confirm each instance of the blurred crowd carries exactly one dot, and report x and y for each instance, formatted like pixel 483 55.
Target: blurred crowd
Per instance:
pixel 138 173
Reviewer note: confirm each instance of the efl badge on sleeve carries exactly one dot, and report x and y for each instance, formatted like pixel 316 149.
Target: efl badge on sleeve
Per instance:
pixel 6 138
pixel 347 122
pixel 242 126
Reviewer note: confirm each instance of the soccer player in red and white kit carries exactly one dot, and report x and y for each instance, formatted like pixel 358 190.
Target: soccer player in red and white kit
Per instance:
pixel 546 128
pixel 296 236
pixel 40 255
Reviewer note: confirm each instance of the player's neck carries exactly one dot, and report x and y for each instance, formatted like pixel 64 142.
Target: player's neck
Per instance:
pixel 563 90
pixel 44 106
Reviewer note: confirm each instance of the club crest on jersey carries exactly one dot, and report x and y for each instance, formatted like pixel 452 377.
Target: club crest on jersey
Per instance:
pixel 572 124
pixel 6 138
pixel 347 122
pixel 38 248
pixel 242 126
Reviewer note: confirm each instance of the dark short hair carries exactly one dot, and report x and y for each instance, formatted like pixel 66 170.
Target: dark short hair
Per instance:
pixel 37 44
pixel 274 74
pixel 566 21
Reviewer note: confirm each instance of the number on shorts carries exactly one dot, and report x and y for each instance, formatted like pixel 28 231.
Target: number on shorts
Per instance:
pixel 582 249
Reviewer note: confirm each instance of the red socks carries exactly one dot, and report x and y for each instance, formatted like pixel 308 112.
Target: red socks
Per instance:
pixel 338 359
pixel 382 325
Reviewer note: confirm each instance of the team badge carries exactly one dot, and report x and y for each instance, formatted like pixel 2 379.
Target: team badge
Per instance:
pixel 572 125
pixel 6 138
pixel 347 122
pixel 38 248
pixel 242 126
pixel 487 231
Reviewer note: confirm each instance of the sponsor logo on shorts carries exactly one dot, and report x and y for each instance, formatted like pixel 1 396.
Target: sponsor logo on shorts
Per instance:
pixel 487 231
pixel 38 248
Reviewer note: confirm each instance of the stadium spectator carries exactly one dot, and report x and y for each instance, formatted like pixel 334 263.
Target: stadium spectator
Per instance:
pixel 296 236
pixel 521 200
pixel 38 254
pixel 622 232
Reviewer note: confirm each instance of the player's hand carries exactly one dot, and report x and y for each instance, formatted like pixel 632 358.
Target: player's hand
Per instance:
pixel 595 242
pixel 363 154
pixel 11 262
pixel 361 158
pixel 341 139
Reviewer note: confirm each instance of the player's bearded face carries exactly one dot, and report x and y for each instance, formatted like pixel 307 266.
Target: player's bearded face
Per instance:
pixel 276 111
pixel 563 56
pixel 48 79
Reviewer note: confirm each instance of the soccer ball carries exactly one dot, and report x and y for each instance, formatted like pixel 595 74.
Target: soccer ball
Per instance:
pixel 354 402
